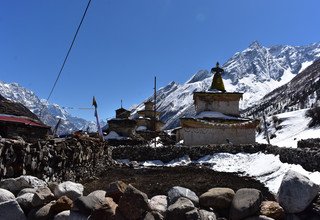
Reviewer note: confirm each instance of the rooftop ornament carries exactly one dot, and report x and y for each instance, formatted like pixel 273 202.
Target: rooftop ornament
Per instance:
pixel 217 82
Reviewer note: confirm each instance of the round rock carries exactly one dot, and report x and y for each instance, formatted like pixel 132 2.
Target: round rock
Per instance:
pixel 296 192
pixel 11 210
pixel 133 204
pixel 64 215
pixel 177 191
pixel 42 196
pixel 260 217
pixel 159 204
pixel 178 210
pixel 27 190
pixel 19 183
pixel 272 209
pixel 70 189
pixel 245 203
pixel 25 201
pixel 217 198
pixel 62 204
pixel 6 195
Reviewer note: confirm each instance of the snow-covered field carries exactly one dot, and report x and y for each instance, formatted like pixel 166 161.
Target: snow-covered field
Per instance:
pixel 294 128
pixel 266 168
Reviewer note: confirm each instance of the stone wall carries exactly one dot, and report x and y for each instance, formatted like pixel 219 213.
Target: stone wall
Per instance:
pixel 309 143
pixel 308 158
pixel 202 136
pixel 57 159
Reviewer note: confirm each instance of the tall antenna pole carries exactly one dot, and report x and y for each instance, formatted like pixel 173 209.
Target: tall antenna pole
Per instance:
pixel 121 103
pixel 155 110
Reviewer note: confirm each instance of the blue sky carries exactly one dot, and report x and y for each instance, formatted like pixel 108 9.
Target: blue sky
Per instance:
pixel 123 44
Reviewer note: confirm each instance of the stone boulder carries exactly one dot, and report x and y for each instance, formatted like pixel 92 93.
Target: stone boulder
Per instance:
pixel 42 196
pixel 115 190
pixel 64 215
pixel 86 204
pixel 272 209
pixel 296 192
pixel 133 204
pixel 62 204
pixel 260 217
pixel 11 210
pixel 177 191
pixel 217 198
pixel 106 210
pixel 159 204
pixel 6 195
pixel 178 210
pixel 42 213
pixel 27 190
pixel 16 184
pixel 70 189
pixel 25 201
pixel 153 215
pixel 70 215
pixel 206 215
pixel 98 194
pixel 245 203
pixel 192 215
pixel 201 214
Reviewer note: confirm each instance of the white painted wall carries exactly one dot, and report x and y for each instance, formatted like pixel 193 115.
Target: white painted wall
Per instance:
pixel 205 136
pixel 229 107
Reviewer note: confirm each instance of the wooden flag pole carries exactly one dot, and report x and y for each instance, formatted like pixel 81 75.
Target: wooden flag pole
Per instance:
pixel 155 111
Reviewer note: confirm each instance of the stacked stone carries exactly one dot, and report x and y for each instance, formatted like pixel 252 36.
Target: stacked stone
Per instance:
pixel 56 159
pixel 308 158
pixel 28 197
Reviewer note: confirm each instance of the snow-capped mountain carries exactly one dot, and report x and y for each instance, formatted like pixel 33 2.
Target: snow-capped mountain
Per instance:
pixel 50 113
pixel 303 91
pixel 255 71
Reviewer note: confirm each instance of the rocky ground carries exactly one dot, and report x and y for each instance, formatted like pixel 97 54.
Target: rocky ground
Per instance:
pixel 156 181
pixel 28 197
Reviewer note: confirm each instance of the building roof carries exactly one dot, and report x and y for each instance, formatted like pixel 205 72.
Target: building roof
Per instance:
pixel 21 120
pixel 17 109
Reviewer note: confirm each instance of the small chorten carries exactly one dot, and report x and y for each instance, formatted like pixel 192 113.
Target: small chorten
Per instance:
pixel 217 82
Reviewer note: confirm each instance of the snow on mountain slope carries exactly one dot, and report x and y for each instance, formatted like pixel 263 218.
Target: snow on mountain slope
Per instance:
pixel 303 91
pixel 255 71
pixel 288 128
pixel 50 112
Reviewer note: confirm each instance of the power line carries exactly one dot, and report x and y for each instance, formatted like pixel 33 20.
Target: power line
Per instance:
pixel 66 57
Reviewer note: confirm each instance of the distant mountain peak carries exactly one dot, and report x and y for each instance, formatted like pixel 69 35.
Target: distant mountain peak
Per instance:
pixel 255 44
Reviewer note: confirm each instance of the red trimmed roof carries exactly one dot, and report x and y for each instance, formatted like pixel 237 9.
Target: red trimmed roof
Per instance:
pixel 22 121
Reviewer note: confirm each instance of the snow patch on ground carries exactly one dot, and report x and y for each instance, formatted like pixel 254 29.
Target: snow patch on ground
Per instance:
pixel 267 168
